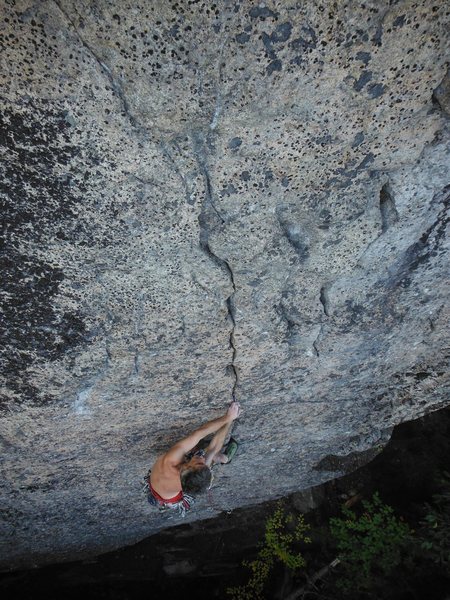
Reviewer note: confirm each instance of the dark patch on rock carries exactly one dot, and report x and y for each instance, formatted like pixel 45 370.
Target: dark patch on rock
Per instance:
pixel 399 21
pixel 375 90
pixel 234 143
pixel 296 240
pixel 364 57
pixel 324 219
pixel 349 171
pixel 364 78
pixel 174 30
pixel 228 190
pixel 30 327
pixel 355 311
pixel 255 282
pixel 267 41
pixel 242 38
pixel 40 202
pixel 275 65
pixel 245 176
pixel 388 210
pixel 39 205
pixel 268 175
pixel 358 139
pixel 377 38
pixel 367 160
pixel 306 42
pixel 285 181
pixel 281 33
pixel 262 13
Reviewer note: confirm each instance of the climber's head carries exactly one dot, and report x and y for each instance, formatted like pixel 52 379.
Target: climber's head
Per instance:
pixel 195 476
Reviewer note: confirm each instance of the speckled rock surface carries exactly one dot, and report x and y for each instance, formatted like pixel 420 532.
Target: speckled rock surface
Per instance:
pixel 206 199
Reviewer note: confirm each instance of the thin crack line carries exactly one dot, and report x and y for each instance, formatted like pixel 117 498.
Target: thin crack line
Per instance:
pixel 198 148
pixel 204 245
pixel 232 315
pixel 117 88
pixel 324 299
pixel 136 362
pixel 198 145
pixel 316 350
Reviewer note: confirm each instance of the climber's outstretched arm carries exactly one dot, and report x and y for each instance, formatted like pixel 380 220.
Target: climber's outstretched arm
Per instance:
pixel 217 443
pixel 176 454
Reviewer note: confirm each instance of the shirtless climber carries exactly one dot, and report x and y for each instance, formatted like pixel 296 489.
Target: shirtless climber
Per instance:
pixel 174 475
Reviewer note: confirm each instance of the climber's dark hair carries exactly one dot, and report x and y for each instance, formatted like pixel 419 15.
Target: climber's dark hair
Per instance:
pixel 196 481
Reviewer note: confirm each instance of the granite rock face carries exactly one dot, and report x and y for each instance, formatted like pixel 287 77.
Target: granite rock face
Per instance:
pixel 203 200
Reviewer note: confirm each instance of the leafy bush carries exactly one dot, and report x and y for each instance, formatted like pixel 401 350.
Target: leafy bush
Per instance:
pixel 370 545
pixel 435 536
pixel 282 532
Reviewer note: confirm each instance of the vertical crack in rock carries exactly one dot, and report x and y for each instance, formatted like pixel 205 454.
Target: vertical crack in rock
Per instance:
pixel 136 363
pixel 198 144
pixel 199 152
pixel 388 210
pixel 441 95
pixel 316 350
pixel 324 299
pixel 210 218
pixel 232 316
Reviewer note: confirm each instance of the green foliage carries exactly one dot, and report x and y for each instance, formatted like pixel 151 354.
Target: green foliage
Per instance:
pixel 435 535
pixel 282 532
pixel 370 545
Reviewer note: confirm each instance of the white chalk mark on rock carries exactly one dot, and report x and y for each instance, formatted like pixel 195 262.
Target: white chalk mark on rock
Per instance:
pixel 80 405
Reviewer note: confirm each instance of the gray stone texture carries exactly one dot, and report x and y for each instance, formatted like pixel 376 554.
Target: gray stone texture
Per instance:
pixel 204 199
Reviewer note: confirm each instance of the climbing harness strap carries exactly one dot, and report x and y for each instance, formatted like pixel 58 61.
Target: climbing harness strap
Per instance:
pixel 182 503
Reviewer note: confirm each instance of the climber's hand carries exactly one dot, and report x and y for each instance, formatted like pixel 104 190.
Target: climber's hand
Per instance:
pixel 234 411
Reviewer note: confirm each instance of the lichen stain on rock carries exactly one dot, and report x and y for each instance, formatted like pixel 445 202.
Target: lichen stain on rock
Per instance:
pixel 40 203
pixel 38 144
pixel 30 327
